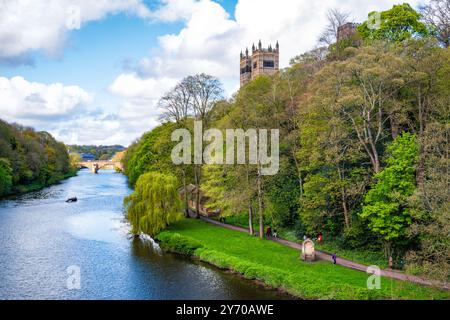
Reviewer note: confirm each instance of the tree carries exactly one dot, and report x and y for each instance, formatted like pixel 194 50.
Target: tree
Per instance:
pixel 336 19
pixel 257 106
pixel 386 203
pixel 437 14
pixel 397 24
pixel 35 158
pixel 177 103
pixel 154 204
pixel 5 177
pixel 205 91
pixel 363 89
pixel 332 159
pixel 430 206
pixel 151 153
pixel 75 159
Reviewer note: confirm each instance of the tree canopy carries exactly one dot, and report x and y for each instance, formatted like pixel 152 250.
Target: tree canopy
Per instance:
pixel 397 24
pixel 30 159
pixel 154 204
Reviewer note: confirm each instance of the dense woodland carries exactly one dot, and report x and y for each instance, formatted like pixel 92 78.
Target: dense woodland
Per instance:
pixel 99 152
pixel 30 160
pixel 364 141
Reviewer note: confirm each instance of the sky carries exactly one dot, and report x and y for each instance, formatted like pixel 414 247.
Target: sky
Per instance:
pixel 92 71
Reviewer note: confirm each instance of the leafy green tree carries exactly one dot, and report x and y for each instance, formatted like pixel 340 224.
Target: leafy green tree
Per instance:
pixel 154 204
pixel 397 24
pixel 36 159
pixel 75 158
pixel 152 152
pixel 430 206
pixel 5 177
pixel 386 203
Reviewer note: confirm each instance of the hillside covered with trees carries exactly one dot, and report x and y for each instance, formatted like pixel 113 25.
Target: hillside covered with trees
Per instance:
pixel 30 160
pixel 364 141
pixel 99 152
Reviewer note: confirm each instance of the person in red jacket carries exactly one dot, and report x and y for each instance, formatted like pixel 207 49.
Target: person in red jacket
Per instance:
pixel 319 238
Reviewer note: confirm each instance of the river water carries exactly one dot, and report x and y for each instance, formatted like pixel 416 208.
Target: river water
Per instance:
pixel 56 250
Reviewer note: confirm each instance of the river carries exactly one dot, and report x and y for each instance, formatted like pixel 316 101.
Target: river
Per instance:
pixel 51 249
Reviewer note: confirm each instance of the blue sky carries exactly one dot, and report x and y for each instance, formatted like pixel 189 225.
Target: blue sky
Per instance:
pixel 95 54
pixel 100 83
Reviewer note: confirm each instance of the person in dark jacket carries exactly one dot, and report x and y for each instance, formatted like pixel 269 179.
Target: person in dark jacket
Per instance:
pixel 334 257
pixel 269 232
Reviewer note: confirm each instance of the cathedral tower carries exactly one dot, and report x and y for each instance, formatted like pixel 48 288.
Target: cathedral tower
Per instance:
pixel 261 61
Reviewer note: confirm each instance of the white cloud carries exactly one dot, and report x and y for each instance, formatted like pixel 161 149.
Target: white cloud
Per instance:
pixel 209 42
pixel 21 100
pixel 42 25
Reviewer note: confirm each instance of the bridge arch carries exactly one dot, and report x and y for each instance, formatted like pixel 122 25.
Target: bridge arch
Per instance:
pixel 95 166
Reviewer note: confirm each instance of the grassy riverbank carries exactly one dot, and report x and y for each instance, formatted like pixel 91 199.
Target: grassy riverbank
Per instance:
pixel 280 267
pixel 363 256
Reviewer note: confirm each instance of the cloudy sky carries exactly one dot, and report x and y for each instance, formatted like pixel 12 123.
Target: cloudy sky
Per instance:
pixel 91 71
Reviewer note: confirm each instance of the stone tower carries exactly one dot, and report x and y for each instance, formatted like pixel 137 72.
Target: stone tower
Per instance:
pixel 261 61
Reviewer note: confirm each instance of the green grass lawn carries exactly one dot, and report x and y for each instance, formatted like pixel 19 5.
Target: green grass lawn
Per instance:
pixel 280 266
pixel 361 256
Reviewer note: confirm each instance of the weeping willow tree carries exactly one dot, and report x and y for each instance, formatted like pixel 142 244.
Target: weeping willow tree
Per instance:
pixel 154 204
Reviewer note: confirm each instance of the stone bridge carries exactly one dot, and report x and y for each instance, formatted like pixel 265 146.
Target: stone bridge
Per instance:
pixel 96 165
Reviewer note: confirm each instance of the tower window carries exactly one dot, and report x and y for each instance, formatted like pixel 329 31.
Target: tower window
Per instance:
pixel 246 69
pixel 255 65
pixel 269 64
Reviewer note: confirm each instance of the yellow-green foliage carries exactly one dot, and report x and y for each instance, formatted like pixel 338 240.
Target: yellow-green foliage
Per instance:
pixel 154 204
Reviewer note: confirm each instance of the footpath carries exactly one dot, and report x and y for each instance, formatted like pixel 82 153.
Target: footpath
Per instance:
pixel 393 274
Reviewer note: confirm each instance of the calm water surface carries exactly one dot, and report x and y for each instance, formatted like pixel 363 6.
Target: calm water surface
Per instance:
pixel 41 236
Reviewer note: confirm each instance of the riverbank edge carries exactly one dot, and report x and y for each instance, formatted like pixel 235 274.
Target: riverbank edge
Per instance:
pixel 24 189
pixel 269 277
pixel 169 247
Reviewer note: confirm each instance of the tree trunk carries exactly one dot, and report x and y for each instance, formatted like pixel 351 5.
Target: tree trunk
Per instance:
pixel 186 203
pixel 344 200
pixel 250 219
pixel 299 173
pixel 394 127
pixel 197 196
pixel 260 208
pixel 420 173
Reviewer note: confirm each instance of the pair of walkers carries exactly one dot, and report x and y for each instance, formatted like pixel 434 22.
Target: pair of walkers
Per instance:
pixel 270 234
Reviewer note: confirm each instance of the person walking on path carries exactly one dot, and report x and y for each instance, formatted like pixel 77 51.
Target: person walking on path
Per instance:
pixel 334 257
pixel 269 232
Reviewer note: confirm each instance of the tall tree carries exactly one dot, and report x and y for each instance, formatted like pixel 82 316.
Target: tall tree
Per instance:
pixel 386 203
pixel 6 173
pixel 205 91
pixel 399 23
pixel 177 103
pixel 365 86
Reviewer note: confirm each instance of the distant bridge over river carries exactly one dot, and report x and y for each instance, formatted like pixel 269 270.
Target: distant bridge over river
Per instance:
pixel 96 165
